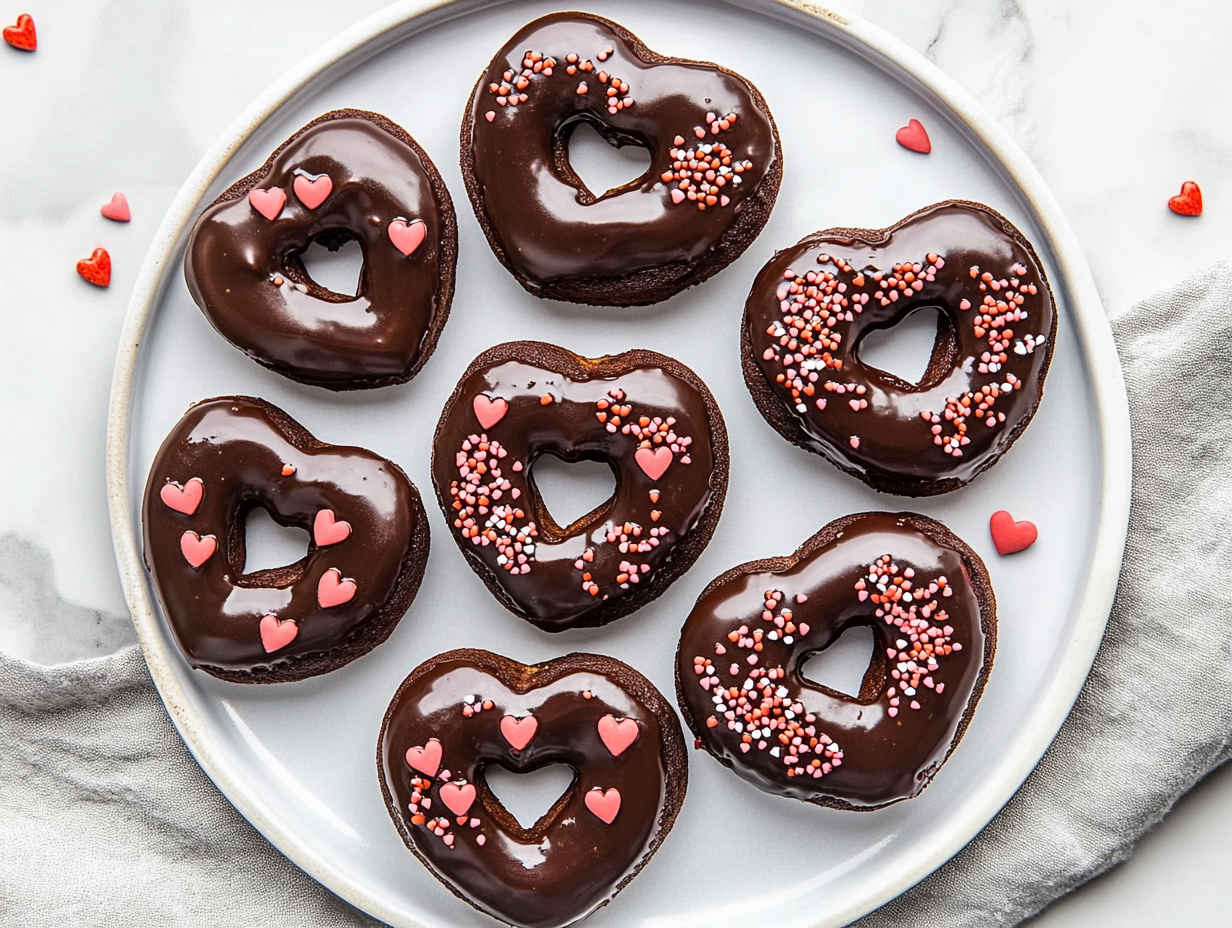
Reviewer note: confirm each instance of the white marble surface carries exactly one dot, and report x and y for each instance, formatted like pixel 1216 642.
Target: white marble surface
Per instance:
pixel 1116 101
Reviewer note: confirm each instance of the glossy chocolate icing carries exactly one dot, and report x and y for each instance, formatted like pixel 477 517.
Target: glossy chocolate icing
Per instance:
pixel 542 221
pixel 590 572
pixel 570 861
pixel 887 441
pixel 248 453
pixel 886 743
pixel 244 270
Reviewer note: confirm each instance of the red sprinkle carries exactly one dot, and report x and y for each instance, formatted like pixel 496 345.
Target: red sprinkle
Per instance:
pixel 96 268
pixel 22 35
pixel 1188 202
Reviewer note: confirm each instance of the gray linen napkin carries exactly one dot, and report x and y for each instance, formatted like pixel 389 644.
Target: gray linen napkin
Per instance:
pixel 105 818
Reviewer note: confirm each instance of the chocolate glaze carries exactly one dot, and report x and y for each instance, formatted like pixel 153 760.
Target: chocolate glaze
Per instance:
pixel 671 517
pixel 238 448
pixel 633 244
pixel 897 448
pixel 570 861
pixel 245 271
pixel 886 749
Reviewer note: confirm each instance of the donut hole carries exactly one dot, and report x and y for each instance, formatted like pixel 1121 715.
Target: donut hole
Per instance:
pixel 334 261
pixel 910 348
pixel 529 795
pixel 268 546
pixel 843 665
pixel 602 160
pixel 570 490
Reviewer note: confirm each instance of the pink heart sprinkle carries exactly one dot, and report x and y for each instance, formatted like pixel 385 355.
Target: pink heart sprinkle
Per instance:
pixel 1008 536
pixel 407 236
pixel 117 209
pixel 277 634
pixel 617 736
pixel 332 590
pixel 458 798
pixel 653 462
pixel 312 191
pixel 184 498
pixel 604 805
pixel 197 549
pixel 425 759
pixel 489 411
pixel 914 137
pixel 326 531
pixel 518 732
pixel 490 115
pixel 268 203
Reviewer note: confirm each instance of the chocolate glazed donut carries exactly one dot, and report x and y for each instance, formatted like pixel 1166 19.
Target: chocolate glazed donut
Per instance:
pixel 348 174
pixel 647 416
pixel 363 567
pixel 928 600
pixel 715 164
pixel 463 711
pixel 813 303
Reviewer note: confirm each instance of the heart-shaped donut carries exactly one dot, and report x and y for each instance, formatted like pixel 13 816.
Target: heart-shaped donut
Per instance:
pixel 711 184
pixel 647 416
pixel 347 175
pixel 450 720
pixel 928 600
pixel 226 457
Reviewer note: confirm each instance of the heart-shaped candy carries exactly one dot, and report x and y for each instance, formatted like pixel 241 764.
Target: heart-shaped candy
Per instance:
pixel 617 736
pixel 605 805
pixel 425 759
pixel 312 190
pixel 327 531
pixel 914 137
pixel 197 549
pixel 653 461
pixel 407 236
pixel 117 208
pixel 519 732
pixel 96 268
pixel 458 797
pixel 1189 201
pixel 1009 536
pixel 489 411
pixel 276 634
pixel 333 590
pixel 184 498
pixel 268 203
pixel 22 35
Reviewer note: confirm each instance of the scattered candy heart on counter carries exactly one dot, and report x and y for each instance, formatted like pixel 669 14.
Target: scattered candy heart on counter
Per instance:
pixel 1009 536
pixel 914 137
pixel 117 209
pixel 96 268
pixel 22 35
pixel 1188 202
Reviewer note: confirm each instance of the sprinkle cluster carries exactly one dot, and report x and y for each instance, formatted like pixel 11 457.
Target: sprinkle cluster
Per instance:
pixel 615 414
pixel 700 173
pixel 814 305
pixel 512 87
pixel 479 517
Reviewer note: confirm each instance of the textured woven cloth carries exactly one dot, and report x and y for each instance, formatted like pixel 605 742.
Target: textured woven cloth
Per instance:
pixel 105 819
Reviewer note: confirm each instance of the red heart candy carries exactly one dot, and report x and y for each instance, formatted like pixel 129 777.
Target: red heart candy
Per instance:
pixel 332 590
pixel 407 236
pixel 326 531
pixel 604 805
pixel 518 732
pixel 197 549
pixel 276 634
pixel 653 461
pixel 312 191
pixel 489 411
pixel 458 798
pixel 426 759
pixel 1009 536
pixel 117 209
pixel 22 35
pixel 1189 201
pixel 914 137
pixel 268 203
pixel 96 268
pixel 184 498
pixel 617 736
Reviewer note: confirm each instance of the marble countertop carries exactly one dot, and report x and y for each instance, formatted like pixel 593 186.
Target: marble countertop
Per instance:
pixel 1116 101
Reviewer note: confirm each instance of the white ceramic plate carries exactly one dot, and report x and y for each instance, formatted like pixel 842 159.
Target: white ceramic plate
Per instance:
pixel 298 759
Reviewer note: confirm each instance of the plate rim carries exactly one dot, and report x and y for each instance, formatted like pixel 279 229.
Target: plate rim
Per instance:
pixel 888 54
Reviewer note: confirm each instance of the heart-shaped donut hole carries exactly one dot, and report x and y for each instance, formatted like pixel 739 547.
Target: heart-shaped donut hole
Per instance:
pixel 270 546
pixel 570 490
pixel 601 160
pixel 528 796
pixel 844 665
pixel 914 350
pixel 334 262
